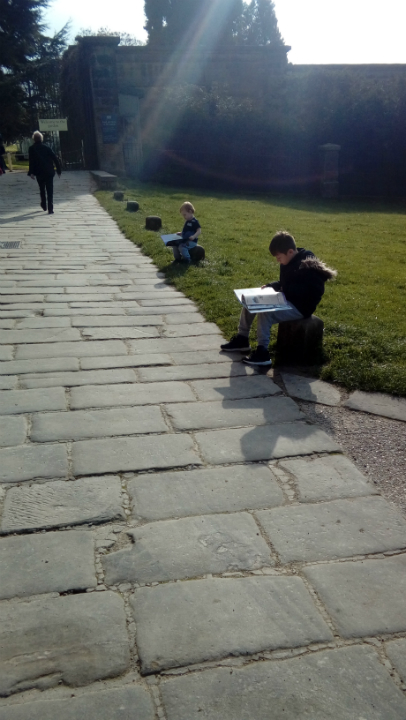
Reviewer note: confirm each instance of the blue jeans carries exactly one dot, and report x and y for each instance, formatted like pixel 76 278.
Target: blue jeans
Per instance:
pixel 265 321
pixel 182 250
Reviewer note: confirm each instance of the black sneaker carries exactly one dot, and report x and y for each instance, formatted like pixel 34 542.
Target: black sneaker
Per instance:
pixel 260 356
pixel 238 343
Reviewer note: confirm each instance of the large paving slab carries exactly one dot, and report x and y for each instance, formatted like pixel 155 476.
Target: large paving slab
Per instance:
pixel 54 562
pixel 337 529
pixel 8 382
pixel 70 311
pixel 15 313
pixel 142 394
pixel 202 357
pixel 94 363
pixel 327 478
pixel 6 352
pixel 80 424
pixel 186 548
pixel 193 372
pixel 173 300
pixel 396 652
pixel 44 322
pixel 168 310
pixel 320 686
pixel 119 333
pixel 13 431
pixel 42 365
pixel 378 404
pixel 59 503
pixel 182 318
pixel 75 296
pixel 194 329
pixel 311 389
pixel 169 345
pixel 233 413
pixel 26 462
pixel 71 349
pixel 93 457
pixel 235 388
pixel 364 598
pixel 72 379
pixel 130 702
pixel 114 322
pixel 7 324
pixel 74 640
pixel 199 492
pixel 39 336
pixel 189 622
pixel 14 402
pixel 20 294
pixel 263 443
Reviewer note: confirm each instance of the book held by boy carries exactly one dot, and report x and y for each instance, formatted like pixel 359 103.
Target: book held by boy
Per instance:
pixel 173 239
pixel 257 300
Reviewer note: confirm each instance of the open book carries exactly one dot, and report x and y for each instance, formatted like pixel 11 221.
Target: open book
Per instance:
pixel 172 239
pixel 257 300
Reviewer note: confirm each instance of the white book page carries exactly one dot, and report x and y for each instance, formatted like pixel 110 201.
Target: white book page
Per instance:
pixel 258 300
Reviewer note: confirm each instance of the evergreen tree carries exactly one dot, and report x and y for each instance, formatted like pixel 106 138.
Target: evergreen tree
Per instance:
pixel 29 65
pixel 259 24
pixel 156 13
pixel 20 30
pixel 209 23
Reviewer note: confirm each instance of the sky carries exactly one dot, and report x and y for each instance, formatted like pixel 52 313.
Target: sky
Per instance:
pixel 318 31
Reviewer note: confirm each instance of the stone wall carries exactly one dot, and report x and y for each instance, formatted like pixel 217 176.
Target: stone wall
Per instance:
pixel 125 84
pixel 117 95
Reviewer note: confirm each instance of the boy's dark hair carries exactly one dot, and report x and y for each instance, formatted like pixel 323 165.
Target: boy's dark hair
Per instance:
pixel 281 243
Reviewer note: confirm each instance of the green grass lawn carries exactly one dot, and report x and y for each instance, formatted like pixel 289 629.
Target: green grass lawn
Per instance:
pixel 364 310
pixel 20 164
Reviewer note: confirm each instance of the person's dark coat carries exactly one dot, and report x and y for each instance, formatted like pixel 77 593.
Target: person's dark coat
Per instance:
pixel 42 161
pixel 302 281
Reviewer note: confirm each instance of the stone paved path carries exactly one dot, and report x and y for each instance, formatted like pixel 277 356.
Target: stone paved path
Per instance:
pixel 177 541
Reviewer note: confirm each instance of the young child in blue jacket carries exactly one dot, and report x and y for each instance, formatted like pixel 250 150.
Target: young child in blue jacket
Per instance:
pixel 188 236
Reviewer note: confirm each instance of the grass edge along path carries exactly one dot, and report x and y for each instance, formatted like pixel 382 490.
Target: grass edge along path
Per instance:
pixel 363 310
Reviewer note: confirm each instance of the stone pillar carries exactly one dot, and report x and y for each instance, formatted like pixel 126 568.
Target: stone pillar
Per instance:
pixel 101 54
pixel 329 176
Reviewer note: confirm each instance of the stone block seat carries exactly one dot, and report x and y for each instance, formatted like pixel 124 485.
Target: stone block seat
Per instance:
pixel 104 180
pixel 300 341
pixel 197 253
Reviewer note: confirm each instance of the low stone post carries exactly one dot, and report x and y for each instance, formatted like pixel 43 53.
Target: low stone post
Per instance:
pixel 329 177
pixel 300 341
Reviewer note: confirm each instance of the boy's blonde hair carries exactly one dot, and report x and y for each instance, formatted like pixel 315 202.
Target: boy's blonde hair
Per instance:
pixel 187 206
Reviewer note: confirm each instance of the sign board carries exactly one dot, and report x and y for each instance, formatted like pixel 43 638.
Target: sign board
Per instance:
pixel 53 124
pixel 109 126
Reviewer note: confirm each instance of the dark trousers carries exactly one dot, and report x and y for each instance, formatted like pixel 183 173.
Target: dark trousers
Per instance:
pixel 46 183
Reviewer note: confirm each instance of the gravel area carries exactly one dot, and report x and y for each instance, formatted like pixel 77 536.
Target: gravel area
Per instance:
pixel 377 445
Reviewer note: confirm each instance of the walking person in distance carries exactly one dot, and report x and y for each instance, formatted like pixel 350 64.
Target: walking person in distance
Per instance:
pixel 42 163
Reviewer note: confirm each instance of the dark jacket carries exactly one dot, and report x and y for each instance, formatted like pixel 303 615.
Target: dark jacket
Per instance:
pixel 42 160
pixel 302 281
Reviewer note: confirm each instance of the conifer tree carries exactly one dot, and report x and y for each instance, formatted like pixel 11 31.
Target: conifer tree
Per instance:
pixel 20 29
pixel 212 23
pixel 259 24
pixel 27 64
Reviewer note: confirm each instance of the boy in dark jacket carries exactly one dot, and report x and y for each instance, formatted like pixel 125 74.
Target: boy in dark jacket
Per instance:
pixel 42 161
pixel 302 279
